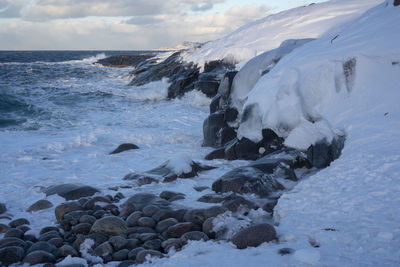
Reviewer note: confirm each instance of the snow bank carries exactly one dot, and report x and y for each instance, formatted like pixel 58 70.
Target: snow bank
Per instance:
pixel 311 92
pixel 268 33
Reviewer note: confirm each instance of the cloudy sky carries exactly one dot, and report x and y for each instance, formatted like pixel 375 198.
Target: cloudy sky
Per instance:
pixel 125 24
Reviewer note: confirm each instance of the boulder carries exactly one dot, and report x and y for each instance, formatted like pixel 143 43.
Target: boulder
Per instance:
pixel 10 255
pixel 133 218
pixel 39 256
pixel 118 242
pixel 254 236
pixel 211 127
pixel 110 226
pixel 198 216
pixel 177 230
pixel 323 153
pixel 124 147
pixel 164 224
pixel 143 255
pixel 194 235
pixel 82 228
pixel 18 222
pixel 3 228
pixel 104 249
pixel 167 195
pixel 146 222
pixel 133 253
pixel 71 191
pixel 12 242
pixel 3 208
pixel 172 243
pixel 138 201
pixel 154 244
pixel 14 232
pixel 62 209
pixel 40 205
pixel 120 255
pixel 43 246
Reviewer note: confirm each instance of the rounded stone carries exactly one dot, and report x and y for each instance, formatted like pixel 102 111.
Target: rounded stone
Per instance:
pixel 120 255
pixel 18 222
pixel 43 246
pixel 146 222
pixel 3 228
pixel 97 238
pixel 57 242
pixel 49 235
pixel 82 228
pixel 10 255
pixel 118 242
pixel 12 241
pixel 40 205
pixel 132 219
pixel 208 227
pixel 147 236
pixel 110 225
pixel 87 219
pixel 133 253
pixel 177 230
pixel 150 210
pixel 37 257
pixel 104 249
pixel 13 232
pixel 164 224
pixel 60 210
pixel 172 243
pixel 254 236
pixel 154 244
pixel 24 228
pixel 194 235
pixel 132 243
pixel 67 250
pixel 141 257
pixel 48 229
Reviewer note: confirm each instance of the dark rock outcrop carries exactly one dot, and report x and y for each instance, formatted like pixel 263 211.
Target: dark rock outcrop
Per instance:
pixel 323 153
pixel 121 61
pixel 71 191
pixel 124 147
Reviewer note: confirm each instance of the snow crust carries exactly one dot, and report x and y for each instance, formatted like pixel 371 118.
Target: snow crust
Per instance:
pixel 268 33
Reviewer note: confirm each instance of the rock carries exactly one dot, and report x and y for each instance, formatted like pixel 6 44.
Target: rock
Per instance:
pixel 127 263
pixel 164 224
pixel 110 225
pixel 30 238
pixel 82 228
pixel 121 61
pixel 67 250
pixel 183 81
pixel 48 229
pixel 12 241
pixel 37 257
pixel 24 228
pixel 234 202
pixel 146 222
pixel 91 203
pixel 194 235
pixel 177 230
pixel 167 195
pixel 103 250
pixel 43 246
pixel 100 214
pixel 172 243
pixel 143 255
pixel 208 227
pixel 218 153
pixel 132 243
pixel 124 147
pixel 150 210
pixel 18 222
pixel 138 201
pixel 13 232
pixel 214 105
pixel 254 236
pixel 211 126
pixel 200 188
pixel 87 219
pixel 118 242
pixel 165 214
pixel 147 236
pixel 211 198
pixel 207 84
pixel 40 205
pixel 246 180
pixel 120 255
pixel 198 216
pixel 98 238
pixel 3 228
pixel 132 220
pixel 11 254
pixel 49 235
pixel 285 251
pixel 154 244
pixel 57 242
pixel 71 191
pixel 3 208
pixel 322 153
pixel 133 253
pixel 269 207
pixel 66 207
pixel 396 3
pixel 140 230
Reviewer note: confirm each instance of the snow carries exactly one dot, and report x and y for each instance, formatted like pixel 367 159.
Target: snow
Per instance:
pixel 180 163
pixel 268 33
pixel 71 261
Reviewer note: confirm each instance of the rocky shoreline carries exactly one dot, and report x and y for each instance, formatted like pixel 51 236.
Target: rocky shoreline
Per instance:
pixel 95 228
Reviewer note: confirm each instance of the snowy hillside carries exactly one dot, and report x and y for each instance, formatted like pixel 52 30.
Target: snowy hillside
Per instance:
pixel 268 33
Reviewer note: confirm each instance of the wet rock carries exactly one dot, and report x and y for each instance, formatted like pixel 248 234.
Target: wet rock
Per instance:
pixel 177 230
pixel 66 207
pixel 138 201
pixel 3 228
pixel 167 195
pixel 172 243
pixel 140 230
pixel 132 243
pixel 13 232
pixel 207 84
pixel 146 222
pixel 91 203
pixel 89 219
pixel 218 153
pixel 246 180
pixel 118 242
pixel 211 198
pixel 3 208
pixel 132 220
pixel 120 255
pixel 18 222
pixel 200 188
pixel 100 214
pixel 269 206
pixel 103 250
pixel 127 263
pixel 234 202
pixel 40 205
pixel 121 61
pixel 198 216
pixel 43 246
pixel 30 238
pixel 49 235
pixel 254 236
pixel 11 254
pixel 48 229
pixel 208 227
pixel 24 228
pixel 67 250
pixel 133 253
pixel 143 254
pixel 82 228
pixel 194 235
pixel 154 244
pixel 71 191
pixel 150 210
pixel 285 251
pixel 124 147
pixel 323 153
pixel 57 242
pixel 211 127
pixel 164 224
pixel 37 257
pixel 165 214
pixel 12 241
pixel 147 236
pixel 110 225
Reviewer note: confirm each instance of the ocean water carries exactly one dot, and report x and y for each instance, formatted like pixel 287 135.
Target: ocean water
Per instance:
pixel 60 116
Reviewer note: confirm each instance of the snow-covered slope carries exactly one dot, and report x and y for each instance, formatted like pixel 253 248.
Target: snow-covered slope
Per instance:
pixel 268 33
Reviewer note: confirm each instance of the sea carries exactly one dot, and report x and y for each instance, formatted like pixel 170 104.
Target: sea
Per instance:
pixel 61 114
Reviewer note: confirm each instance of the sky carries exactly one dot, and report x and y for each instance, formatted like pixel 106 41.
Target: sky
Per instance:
pixel 126 24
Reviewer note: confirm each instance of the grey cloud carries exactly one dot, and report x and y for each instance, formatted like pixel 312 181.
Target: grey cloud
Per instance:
pixel 10 9
pixel 143 20
pixel 201 7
